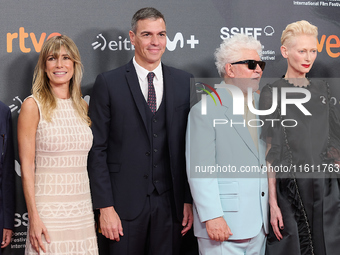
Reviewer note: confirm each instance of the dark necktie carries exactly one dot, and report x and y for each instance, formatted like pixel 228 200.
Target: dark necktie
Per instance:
pixel 151 93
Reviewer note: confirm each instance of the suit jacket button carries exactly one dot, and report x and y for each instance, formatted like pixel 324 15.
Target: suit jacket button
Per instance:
pixel 155 150
pixel 156 181
pixel 155 165
pixel 262 194
pixel 146 176
pixel 147 153
pixel 155 120
pixel 155 135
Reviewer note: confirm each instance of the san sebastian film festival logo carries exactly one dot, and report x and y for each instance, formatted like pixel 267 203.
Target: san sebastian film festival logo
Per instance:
pixel 253 31
pixel 238 104
pixel 103 43
pixel 256 32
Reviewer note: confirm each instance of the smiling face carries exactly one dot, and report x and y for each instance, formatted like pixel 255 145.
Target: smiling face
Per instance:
pixel 241 75
pixel 300 53
pixel 59 68
pixel 149 41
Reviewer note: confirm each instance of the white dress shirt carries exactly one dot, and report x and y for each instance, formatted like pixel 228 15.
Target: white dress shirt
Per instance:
pixel 248 115
pixel 142 74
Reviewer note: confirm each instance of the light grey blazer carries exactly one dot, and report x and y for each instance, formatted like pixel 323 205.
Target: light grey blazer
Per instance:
pixel 241 198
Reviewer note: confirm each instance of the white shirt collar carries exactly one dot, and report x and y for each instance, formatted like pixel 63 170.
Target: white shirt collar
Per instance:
pixel 142 73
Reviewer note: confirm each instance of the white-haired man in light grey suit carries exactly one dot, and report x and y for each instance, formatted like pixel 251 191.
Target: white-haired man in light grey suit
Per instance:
pixel 230 206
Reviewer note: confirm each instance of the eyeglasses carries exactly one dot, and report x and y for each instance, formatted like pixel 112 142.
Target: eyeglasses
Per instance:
pixel 252 64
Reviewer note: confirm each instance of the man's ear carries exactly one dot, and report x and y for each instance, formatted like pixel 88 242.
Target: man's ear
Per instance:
pixel 284 51
pixel 229 70
pixel 132 37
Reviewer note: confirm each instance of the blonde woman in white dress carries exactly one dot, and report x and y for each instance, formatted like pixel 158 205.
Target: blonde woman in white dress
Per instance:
pixel 54 138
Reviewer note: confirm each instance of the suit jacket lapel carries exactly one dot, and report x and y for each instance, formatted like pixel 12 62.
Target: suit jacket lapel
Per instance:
pixel 238 121
pixel 169 86
pixel 133 83
pixel 261 143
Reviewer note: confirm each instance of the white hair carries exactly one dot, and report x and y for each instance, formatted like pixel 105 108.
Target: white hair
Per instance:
pixel 230 50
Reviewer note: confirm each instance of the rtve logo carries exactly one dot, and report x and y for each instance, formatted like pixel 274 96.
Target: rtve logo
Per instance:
pixel 332 45
pixel 13 38
pixel 125 44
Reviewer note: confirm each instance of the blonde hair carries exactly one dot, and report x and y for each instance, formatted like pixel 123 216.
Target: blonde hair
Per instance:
pixel 301 27
pixel 41 88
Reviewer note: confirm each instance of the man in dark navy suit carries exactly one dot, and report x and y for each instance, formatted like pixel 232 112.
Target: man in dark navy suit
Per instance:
pixel 7 191
pixel 137 162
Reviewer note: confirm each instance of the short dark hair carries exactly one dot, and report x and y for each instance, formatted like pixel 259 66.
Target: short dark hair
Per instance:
pixel 145 13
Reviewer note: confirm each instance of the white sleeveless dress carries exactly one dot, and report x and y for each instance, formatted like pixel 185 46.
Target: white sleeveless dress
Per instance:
pixel 62 190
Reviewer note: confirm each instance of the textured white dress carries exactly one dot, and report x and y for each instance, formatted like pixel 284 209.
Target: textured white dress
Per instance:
pixel 62 190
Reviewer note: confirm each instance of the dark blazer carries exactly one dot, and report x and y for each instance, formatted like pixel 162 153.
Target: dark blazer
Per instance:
pixel 120 160
pixel 7 172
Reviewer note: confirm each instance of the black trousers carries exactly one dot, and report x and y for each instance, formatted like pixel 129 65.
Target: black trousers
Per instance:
pixel 156 231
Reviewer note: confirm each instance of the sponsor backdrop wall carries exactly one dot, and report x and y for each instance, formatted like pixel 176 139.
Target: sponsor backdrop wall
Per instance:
pixel 195 29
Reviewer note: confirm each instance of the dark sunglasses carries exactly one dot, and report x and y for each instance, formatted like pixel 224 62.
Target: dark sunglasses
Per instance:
pixel 252 64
